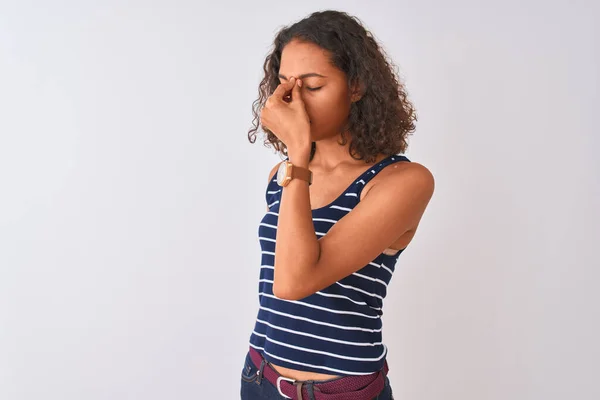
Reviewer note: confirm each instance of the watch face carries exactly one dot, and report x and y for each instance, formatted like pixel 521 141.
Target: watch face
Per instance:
pixel 281 173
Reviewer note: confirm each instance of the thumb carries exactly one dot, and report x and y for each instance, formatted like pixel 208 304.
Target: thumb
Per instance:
pixel 283 88
pixel 297 93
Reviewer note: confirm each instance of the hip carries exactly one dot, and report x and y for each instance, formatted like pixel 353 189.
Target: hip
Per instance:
pixel 260 381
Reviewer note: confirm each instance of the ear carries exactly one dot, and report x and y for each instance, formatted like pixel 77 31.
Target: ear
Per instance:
pixel 356 91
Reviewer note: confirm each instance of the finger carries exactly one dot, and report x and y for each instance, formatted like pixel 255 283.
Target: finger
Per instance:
pixel 297 93
pixel 283 88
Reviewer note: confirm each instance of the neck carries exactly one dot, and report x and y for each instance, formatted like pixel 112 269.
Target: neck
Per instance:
pixel 329 154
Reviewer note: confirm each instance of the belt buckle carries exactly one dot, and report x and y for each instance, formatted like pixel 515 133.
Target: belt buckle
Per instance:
pixel 282 378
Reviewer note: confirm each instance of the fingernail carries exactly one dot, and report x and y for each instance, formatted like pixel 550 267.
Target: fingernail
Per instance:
pixel 299 82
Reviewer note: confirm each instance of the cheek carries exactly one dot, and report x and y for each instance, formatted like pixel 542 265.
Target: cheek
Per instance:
pixel 326 109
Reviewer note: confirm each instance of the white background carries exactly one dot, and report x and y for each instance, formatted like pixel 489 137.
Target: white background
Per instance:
pixel 130 197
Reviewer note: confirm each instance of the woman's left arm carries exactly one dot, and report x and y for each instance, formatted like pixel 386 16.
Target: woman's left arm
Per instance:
pixel 305 264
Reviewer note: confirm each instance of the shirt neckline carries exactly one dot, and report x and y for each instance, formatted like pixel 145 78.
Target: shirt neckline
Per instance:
pixel 355 181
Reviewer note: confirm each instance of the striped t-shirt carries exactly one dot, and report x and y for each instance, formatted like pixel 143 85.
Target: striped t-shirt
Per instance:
pixel 338 329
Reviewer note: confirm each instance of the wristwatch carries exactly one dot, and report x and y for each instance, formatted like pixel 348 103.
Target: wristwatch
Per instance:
pixel 288 171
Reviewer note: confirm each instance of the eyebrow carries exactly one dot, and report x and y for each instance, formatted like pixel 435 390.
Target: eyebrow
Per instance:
pixel 311 74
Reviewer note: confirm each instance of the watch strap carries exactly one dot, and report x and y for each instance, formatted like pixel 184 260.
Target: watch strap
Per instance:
pixel 301 173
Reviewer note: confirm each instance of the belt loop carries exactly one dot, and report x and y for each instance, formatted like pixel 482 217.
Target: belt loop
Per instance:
pixel 260 371
pixel 310 388
pixel 298 385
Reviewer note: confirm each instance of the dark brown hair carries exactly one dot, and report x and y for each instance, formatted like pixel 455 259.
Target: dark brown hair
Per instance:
pixel 382 119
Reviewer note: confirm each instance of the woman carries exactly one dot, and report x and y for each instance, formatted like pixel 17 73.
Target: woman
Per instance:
pixel 344 205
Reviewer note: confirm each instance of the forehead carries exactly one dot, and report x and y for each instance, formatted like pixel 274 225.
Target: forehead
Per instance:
pixel 302 57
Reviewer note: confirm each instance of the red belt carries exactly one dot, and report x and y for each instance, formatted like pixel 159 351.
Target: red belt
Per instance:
pixel 357 387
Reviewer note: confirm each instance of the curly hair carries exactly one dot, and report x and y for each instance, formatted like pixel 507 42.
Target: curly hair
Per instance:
pixel 383 118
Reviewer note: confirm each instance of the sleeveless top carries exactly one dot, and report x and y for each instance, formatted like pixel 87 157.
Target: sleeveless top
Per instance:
pixel 338 329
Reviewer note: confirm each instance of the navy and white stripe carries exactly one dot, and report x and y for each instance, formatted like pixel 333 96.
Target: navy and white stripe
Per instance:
pixel 337 330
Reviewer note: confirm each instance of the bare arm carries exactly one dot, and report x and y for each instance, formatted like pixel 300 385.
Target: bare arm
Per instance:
pixel 305 264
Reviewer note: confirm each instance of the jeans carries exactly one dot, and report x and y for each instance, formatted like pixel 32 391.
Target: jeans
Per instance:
pixel 253 389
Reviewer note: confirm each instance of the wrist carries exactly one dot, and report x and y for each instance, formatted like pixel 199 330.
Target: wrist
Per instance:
pixel 300 156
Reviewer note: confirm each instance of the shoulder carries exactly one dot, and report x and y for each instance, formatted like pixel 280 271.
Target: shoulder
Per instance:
pixel 407 177
pixel 416 172
pixel 271 175
pixel 403 192
pixel 273 171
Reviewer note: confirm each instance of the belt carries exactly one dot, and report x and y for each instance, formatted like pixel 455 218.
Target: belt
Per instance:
pixel 356 387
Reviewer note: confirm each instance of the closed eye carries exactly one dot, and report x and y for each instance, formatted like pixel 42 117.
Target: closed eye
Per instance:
pixel 313 89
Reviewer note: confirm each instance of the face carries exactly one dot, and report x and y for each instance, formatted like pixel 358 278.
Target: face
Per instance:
pixel 324 87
